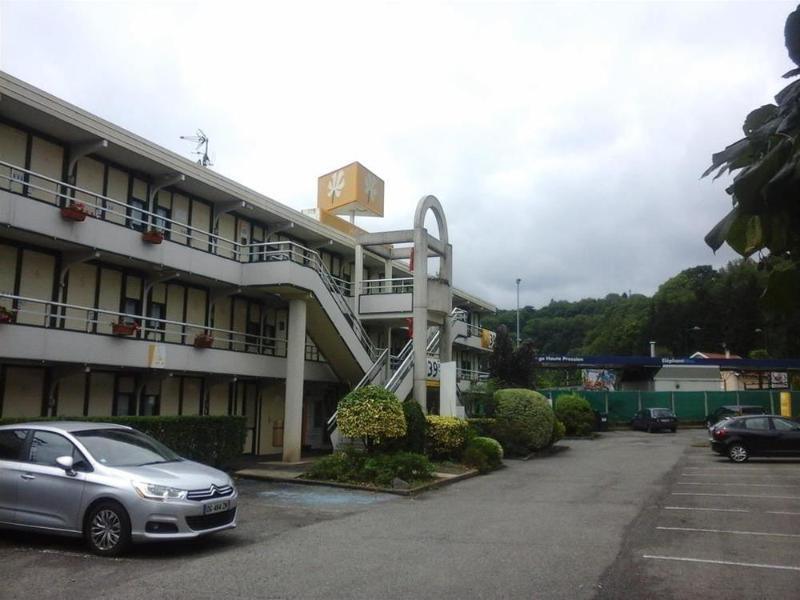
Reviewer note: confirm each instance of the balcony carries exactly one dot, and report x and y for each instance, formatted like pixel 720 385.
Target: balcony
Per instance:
pixel 43 330
pixel 471 336
pixel 381 298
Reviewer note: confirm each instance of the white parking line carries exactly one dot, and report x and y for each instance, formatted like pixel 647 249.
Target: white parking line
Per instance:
pixel 782 512
pixel 734 495
pixel 730 531
pixel 783 485
pixel 718 478
pixel 721 562
pixel 736 510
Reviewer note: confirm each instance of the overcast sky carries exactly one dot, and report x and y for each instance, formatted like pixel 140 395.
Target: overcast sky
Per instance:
pixel 565 140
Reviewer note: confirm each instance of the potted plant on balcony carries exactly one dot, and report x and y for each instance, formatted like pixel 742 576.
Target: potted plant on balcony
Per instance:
pixel 6 315
pixel 124 328
pixel 153 236
pixel 203 340
pixel 74 211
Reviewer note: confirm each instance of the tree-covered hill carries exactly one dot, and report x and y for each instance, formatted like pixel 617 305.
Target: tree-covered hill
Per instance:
pixel 698 309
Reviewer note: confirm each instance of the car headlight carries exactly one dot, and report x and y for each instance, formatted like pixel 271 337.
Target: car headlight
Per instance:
pixel 153 491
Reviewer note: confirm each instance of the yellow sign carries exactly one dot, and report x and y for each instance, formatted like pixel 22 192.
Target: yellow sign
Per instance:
pixel 156 356
pixel 353 189
pixel 786 404
pixel 487 339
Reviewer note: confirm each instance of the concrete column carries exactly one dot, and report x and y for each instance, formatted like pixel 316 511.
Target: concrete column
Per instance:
pixel 358 274
pixel 420 314
pixel 295 363
pixel 387 274
pixel 446 341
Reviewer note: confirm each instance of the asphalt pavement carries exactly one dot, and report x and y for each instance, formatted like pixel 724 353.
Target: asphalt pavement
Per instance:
pixel 564 526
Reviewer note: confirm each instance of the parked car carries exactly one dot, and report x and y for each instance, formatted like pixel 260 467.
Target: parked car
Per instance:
pixel 739 438
pixel 732 410
pixel 653 419
pixel 108 483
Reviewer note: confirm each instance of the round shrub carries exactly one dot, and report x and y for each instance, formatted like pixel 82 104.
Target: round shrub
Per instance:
pixel 447 436
pixel 576 414
pixel 523 420
pixel 483 453
pixel 372 414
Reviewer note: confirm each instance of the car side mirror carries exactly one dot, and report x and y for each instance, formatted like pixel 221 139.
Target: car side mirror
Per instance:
pixel 66 463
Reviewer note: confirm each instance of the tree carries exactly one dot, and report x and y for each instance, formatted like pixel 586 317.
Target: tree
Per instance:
pixel 765 218
pixel 510 367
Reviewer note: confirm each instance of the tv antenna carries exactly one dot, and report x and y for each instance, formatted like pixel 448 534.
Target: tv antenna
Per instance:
pixel 201 139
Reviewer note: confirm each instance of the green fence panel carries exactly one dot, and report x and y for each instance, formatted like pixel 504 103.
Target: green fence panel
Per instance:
pixel 622 406
pixel 656 400
pixel 755 398
pixel 690 406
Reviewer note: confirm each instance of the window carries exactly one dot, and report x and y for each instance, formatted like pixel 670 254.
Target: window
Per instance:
pixel 160 220
pixel 149 406
pixel 758 424
pixel 253 333
pixel 136 218
pixel 124 405
pixel 782 425
pixel 46 447
pixel 132 306
pixel 11 443
pixel 156 310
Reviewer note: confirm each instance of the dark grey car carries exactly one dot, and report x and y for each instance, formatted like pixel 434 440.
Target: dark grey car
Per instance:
pixel 108 483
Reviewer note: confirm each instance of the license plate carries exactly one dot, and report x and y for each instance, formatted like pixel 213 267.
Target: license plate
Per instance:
pixel 215 507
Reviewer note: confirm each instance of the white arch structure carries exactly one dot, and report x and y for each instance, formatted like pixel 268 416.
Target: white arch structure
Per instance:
pixel 432 299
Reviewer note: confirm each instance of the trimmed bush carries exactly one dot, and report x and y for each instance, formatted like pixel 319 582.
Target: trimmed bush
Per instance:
pixel 558 431
pixel 379 469
pixel 447 436
pixel 416 426
pixel 483 427
pixel 524 420
pixel 576 414
pixel 372 414
pixel 212 440
pixel 483 453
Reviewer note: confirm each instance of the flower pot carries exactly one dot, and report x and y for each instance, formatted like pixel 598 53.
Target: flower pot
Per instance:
pixel 203 340
pixel 124 328
pixel 75 211
pixel 6 316
pixel 153 236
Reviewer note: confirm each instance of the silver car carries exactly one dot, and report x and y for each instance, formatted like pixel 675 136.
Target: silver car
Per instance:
pixel 108 483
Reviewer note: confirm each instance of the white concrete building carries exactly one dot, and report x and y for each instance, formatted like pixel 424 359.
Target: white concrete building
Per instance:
pixel 134 281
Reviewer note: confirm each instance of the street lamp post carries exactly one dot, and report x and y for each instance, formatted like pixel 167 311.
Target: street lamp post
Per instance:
pixel 518 282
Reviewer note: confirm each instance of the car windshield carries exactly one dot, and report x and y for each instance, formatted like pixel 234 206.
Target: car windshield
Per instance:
pixel 662 412
pixel 125 448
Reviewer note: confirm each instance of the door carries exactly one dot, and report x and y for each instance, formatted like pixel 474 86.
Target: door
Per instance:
pixel 12 443
pixel 47 496
pixel 787 440
pixel 760 437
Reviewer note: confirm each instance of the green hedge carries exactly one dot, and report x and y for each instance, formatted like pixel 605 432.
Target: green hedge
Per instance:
pixel 575 412
pixel 524 421
pixel 447 436
pixel 482 426
pixel 483 453
pixel 212 440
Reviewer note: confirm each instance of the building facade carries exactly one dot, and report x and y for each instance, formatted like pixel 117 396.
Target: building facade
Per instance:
pixel 136 282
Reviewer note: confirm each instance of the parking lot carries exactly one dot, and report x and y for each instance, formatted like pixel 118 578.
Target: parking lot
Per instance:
pixel 628 515
pixel 716 530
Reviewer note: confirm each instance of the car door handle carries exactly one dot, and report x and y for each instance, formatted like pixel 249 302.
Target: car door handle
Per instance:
pixel 28 476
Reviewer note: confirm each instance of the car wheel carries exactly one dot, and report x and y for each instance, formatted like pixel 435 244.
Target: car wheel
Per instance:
pixel 673 429
pixel 738 453
pixel 649 428
pixel 108 529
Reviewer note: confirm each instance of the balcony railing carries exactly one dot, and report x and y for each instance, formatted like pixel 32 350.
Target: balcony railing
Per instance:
pixel 471 375
pixel 396 285
pixel 100 206
pixel 73 317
